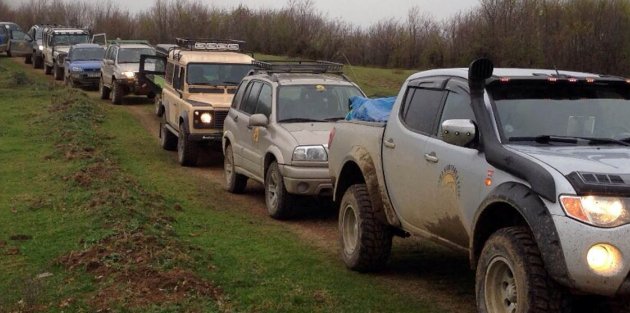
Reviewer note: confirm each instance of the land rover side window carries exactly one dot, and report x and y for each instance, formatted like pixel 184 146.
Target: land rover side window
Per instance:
pixel 181 78
pixel 168 74
pixel 242 87
pixel 252 98
pixel 264 101
pixel 421 110
pixel 176 77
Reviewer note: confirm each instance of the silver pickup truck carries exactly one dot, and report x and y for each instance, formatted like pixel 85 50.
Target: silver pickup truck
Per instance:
pixel 525 170
pixel 277 128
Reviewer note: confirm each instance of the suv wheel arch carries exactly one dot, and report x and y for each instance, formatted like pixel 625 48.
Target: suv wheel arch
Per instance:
pixel 514 204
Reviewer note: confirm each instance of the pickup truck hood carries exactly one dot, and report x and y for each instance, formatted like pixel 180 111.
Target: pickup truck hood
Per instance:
pixel 602 159
pixel 309 133
pixel 86 65
pixel 129 67
pixel 215 100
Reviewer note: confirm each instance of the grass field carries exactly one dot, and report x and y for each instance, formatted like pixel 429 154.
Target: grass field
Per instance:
pixel 95 216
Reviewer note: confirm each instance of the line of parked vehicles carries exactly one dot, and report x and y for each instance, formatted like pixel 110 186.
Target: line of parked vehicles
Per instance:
pixel 525 170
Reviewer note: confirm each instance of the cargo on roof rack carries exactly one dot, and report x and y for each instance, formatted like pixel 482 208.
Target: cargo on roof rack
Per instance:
pixel 210 44
pixel 315 67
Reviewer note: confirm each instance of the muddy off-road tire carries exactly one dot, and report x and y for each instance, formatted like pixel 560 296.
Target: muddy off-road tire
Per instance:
pixel 511 276
pixel 38 62
pixel 58 71
pixel 103 90
pixel 279 201
pixel 366 242
pixel 47 69
pixel 187 151
pixel 168 141
pixel 234 182
pixel 117 93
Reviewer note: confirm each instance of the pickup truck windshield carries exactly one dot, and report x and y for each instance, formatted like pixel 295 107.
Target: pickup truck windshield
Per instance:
pixel 87 54
pixel 69 40
pixel 132 55
pixel 314 102
pixel 217 74
pixel 538 110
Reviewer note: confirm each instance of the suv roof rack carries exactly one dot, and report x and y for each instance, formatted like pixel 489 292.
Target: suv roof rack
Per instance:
pixel 315 67
pixel 210 44
pixel 128 41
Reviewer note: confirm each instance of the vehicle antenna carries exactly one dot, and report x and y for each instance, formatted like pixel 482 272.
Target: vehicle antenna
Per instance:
pixel 556 68
pixel 354 75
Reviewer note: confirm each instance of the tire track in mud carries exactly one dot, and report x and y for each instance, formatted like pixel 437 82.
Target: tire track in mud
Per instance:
pixel 417 267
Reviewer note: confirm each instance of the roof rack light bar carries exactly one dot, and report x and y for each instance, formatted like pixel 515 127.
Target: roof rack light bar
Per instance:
pixel 210 44
pixel 316 67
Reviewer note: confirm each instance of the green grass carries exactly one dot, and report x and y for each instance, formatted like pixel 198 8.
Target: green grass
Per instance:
pixel 375 82
pixel 80 178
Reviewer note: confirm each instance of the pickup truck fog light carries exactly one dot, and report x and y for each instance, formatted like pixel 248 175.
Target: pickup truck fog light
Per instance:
pixel 206 118
pixel 604 259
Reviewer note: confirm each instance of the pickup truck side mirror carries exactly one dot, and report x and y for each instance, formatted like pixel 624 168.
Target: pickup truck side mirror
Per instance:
pixel 459 132
pixel 258 120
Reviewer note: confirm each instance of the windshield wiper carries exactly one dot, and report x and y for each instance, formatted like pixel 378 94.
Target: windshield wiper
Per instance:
pixel 546 139
pixel 231 83
pixel 334 119
pixel 299 120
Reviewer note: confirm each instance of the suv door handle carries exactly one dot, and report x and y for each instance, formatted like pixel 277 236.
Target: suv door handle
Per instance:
pixel 389 143
pixel 431 157
pixel 235 118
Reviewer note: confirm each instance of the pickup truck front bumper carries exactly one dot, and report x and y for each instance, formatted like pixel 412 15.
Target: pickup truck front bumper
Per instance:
pixel 307 181
pixel 577 239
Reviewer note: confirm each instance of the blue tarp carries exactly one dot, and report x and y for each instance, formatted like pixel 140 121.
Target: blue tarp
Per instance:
pixel 370 110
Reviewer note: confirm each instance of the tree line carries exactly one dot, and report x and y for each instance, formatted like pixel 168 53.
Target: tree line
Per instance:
pixel 584 35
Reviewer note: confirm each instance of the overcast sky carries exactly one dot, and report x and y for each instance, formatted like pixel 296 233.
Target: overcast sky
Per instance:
pixel 359 12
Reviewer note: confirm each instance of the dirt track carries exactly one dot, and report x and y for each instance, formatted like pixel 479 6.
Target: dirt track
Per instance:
pixel 417 268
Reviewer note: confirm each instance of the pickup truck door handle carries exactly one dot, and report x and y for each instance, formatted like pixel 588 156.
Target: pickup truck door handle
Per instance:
pixel 431 157
pixel 389 143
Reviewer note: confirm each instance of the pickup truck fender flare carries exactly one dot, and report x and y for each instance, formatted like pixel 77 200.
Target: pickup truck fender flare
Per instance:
pixel 538 218
pixel 228 136
pixel 360 157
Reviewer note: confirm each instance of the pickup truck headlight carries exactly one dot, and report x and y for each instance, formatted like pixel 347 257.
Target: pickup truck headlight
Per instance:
pixel 76 69
pixel 129 75
pixel 597 211
pixel 310 153
pixel 41 47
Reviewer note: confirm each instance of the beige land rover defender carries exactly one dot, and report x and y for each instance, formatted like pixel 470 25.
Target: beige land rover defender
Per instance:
pixel 199 83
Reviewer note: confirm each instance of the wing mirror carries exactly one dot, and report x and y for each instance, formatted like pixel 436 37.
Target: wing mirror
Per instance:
pixel 459 132
pixel 258 120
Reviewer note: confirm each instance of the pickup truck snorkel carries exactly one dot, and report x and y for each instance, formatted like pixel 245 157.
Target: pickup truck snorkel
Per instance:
pixel 498 156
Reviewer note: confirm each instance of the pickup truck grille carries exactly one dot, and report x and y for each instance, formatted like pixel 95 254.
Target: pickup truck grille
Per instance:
pixel 219 118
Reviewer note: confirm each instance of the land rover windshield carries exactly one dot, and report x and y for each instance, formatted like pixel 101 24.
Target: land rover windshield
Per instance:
pixel 569 112
pixel 314 103
pixel 214 74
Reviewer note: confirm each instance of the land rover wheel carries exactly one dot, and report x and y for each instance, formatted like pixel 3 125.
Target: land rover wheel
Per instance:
pixel 366 242
pixel 28 59
pixel 58 71
pixel 47 69
pixel 279 201
pixel 151 95
pixel 168 141
pixel 117 92
pixel 186 150
pixel 103 90
pixel 159 109
pixel 511 276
